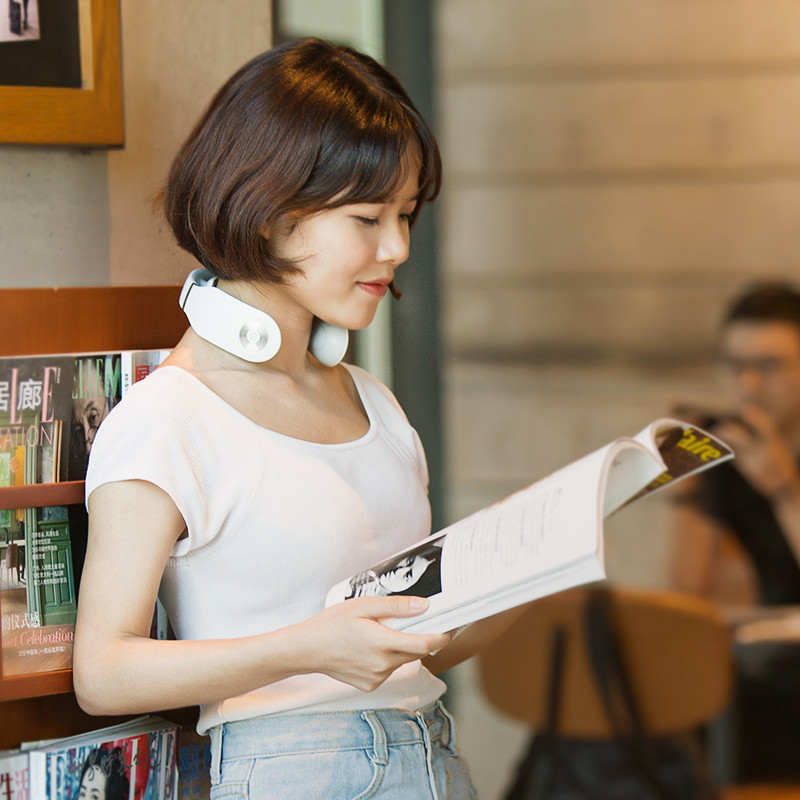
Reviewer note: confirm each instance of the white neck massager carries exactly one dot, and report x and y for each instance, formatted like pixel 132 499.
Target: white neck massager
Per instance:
pixel 246 331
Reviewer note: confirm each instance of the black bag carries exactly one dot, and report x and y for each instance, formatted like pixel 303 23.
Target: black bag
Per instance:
pixel 632 765
pixel 15 17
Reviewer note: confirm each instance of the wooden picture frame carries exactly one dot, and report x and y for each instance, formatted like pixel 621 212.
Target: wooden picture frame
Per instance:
pixel 90 116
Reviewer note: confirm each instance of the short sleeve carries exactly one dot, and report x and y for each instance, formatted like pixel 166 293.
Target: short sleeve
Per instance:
pixel 159 433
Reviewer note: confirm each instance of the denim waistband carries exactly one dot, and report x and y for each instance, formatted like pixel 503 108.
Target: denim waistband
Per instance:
pixel 299 733
pixel 409 754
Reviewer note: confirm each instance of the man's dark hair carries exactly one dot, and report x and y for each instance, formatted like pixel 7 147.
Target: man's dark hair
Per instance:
pixel 306 126
pixel 766 302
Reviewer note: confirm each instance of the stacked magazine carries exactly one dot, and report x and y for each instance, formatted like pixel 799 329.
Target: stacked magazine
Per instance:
pixel 50 409
pixel 135 760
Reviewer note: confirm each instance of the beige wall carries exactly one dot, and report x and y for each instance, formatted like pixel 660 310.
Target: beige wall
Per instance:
pixel 614 171
pixel 175 56
pixel 71 217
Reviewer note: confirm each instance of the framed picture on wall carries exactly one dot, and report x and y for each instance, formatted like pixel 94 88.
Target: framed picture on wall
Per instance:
pixel 60 72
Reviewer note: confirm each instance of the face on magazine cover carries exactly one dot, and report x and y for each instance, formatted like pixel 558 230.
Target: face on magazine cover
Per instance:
pixel 419 572
pixel 104 777
pixel 93 785
pixel 405 573
pixel 88 412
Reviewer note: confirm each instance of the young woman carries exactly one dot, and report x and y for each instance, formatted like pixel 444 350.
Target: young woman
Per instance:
pixel 242 490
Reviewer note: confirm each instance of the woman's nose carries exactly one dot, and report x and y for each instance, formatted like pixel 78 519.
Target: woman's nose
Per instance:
pixel 394 245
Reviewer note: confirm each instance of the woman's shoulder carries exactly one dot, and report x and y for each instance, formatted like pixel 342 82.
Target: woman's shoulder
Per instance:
pixel 161 424
pixel 373 390
pixel 163 382
pixel 159 399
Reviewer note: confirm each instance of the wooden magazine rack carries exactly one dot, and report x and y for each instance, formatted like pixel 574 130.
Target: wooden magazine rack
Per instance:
pixel 71 320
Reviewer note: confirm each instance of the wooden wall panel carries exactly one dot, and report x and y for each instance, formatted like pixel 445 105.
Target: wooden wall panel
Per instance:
pixel 90 319
pixel 646 325
pixel 670 229
pixel 631 125
pixel 479 35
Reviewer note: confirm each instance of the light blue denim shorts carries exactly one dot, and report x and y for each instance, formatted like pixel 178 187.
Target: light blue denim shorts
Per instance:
pixel 388 754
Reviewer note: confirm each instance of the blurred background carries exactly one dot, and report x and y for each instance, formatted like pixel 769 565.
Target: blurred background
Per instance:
pixel 614 173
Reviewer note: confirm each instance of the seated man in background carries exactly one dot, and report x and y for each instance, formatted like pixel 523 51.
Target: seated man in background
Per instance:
pixel 737 528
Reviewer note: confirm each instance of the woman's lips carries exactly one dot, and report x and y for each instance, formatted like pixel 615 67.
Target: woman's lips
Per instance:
pixel 375 289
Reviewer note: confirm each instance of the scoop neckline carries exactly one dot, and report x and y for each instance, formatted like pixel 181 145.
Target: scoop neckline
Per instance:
pixel 235 411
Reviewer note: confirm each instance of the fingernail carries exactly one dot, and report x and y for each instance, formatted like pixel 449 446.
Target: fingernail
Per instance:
pixel 418 603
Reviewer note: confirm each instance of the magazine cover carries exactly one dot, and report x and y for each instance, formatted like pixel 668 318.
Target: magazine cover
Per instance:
pixel 96 389
pixel 35 409
pixel 14 775
pixel 37 591
pixel 132 761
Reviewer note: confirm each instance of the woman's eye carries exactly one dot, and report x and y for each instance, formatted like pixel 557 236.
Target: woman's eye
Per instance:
pixel 368 220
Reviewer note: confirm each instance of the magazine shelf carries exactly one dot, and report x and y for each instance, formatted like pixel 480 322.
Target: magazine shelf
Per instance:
pixel 32 496
pixel 19 687
pixel 37 495
pixel 71 320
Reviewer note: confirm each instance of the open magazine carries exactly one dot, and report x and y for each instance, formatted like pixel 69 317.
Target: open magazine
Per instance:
pixel 539 540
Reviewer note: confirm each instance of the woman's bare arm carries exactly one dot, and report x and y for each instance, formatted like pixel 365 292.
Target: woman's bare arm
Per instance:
pixel 118 668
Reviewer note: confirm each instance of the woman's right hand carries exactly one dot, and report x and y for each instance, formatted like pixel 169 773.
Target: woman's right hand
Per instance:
pixel 349 642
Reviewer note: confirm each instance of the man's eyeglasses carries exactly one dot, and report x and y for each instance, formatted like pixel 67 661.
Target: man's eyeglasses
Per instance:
pixel 765 367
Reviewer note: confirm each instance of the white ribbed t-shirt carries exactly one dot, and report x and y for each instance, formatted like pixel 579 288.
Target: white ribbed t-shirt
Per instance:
pixel 273 522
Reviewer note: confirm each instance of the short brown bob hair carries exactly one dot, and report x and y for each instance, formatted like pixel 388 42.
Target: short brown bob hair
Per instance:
pixel 308 125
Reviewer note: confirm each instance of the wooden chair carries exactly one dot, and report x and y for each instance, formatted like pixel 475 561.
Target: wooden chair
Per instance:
pixel 677 649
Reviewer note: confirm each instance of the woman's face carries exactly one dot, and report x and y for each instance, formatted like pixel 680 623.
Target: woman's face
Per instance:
pixel 348 256
pixel 93 785
pixel 407 572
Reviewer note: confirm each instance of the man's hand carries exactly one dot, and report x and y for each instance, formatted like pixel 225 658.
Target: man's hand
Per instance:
pixel 763 456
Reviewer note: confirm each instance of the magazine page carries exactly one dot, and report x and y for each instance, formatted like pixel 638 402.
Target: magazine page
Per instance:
pixel 685 450
pixel 539 540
